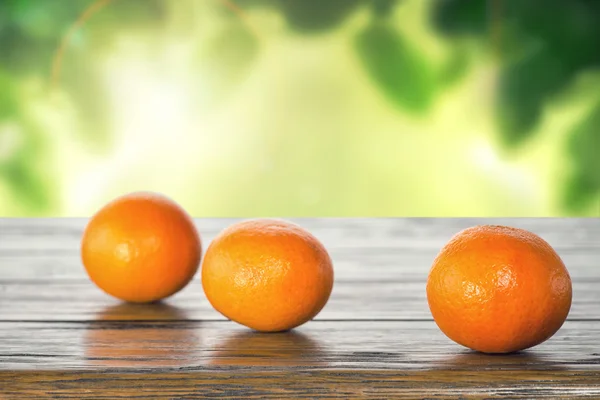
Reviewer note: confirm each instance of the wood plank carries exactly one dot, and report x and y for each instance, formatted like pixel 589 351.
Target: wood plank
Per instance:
pixel 360 263
pixel 363 249
pixel 381 266
pixel 302 384
pixel 374 339
pixel 320 359
pixel 350 300
pixel 64 234
pixel 224 345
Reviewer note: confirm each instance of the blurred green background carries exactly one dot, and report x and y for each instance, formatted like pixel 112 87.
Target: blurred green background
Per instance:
pixel 302 107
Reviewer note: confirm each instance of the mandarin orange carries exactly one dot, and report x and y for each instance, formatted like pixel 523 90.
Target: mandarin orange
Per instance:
pixel 498 289
pixel 141 247
pixel 268 275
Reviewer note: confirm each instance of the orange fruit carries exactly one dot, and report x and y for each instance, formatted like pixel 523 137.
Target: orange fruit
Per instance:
pixel 268 275
pixel 141 247
pixel 497 289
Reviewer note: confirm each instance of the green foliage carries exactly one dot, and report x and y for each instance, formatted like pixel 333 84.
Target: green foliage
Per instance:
pixel 546 44
pixel 28 185
pixel 8 100
pixel 44 20
pixel 383 8
pixel 315 16
pixel 31 33
pixel 312 16
pixel 579 193
pixel 21 169
pixel 123 15
pixel 552 40
pixel 525 86
pixel 21 53
pixel 569 28
pixel 319 16
pixel 398 69
pixel 584 146
pixel 459 17
pixel 226 61
pixel 455 67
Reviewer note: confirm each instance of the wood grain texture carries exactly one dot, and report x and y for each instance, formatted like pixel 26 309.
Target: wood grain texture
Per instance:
pixel 381 266
pixel 61 337
pixel 305 384
pixel 343 359
pixel 222 345
pixel 384 300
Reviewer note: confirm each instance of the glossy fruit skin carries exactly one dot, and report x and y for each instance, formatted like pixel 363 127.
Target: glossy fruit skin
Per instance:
pixel 498 289
pixel 141 247
pixel 267 274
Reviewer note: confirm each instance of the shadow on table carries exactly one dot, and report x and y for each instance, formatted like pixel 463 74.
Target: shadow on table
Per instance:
pixel 523 360
pixel 141 335
pixel 140 312
pixel 267 349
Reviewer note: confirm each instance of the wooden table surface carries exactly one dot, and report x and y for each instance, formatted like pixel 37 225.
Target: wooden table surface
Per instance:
pixel 61 337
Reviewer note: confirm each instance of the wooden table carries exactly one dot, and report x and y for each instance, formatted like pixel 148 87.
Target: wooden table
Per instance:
pixel 61 337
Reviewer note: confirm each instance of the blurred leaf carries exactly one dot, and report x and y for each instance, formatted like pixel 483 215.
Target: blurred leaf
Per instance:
pixel 27 185
pixel 455 67
pixel 460 16
pixel 384 8
pixel 584 146
pixel 23 54
pixel 544 44
pixel 32 32
pixel 525 87
pixel 46 20
pixel 579 192
pixel 570 27
pixel 137 13
pixel 26 171
pixel 9 105
pixel 4 16
pixel 400 71
pixel 227 60
pixel 316 15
